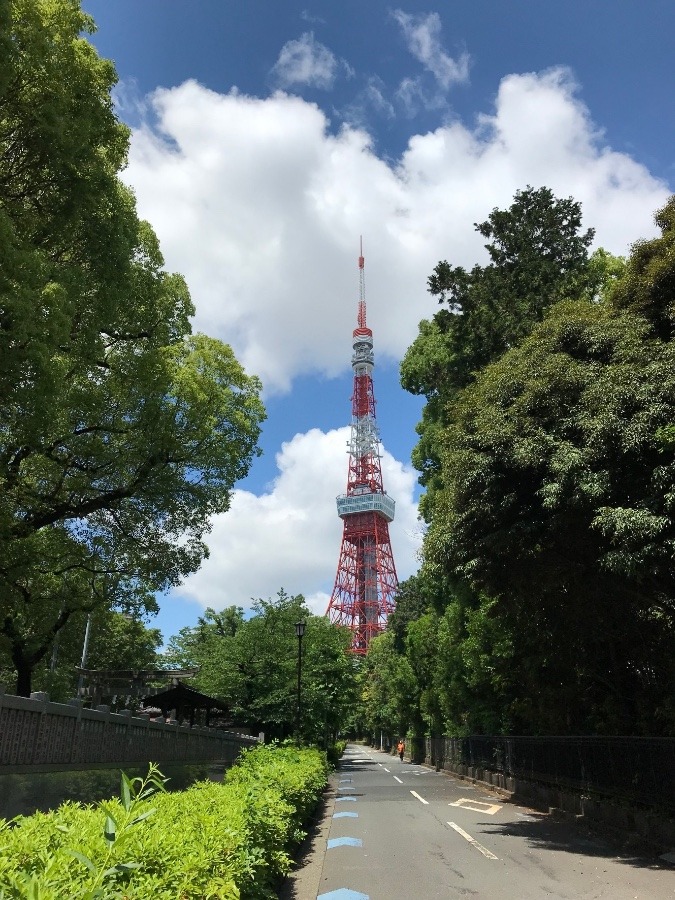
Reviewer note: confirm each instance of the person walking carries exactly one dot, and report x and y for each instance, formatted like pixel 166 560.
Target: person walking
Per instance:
pixel 401 748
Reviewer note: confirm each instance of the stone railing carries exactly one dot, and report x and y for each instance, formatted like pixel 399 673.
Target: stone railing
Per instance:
pixel 37 735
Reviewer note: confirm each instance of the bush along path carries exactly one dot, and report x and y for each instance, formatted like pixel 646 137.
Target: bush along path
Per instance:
pixel 230 841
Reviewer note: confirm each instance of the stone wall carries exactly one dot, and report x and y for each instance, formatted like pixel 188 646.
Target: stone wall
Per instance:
pixel 37 735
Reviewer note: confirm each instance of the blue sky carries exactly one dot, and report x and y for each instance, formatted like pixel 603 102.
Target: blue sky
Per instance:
pixel 267 137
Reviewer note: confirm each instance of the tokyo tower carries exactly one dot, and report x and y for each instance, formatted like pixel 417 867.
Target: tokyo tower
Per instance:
pixel 366 582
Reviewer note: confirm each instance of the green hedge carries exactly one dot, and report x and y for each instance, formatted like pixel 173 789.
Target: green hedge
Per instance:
pixel 230 840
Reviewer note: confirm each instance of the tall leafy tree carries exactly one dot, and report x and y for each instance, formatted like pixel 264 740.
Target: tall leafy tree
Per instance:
pixel 558 501
pixel 389 692
pixel 538 254
pixel 116 641
pixel 252 664
pixel 121 433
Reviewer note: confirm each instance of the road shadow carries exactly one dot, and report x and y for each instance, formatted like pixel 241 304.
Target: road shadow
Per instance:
pixel 356 766
pixel 546 832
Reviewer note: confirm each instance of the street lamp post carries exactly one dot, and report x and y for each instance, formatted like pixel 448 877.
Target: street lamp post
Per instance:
pixel 299 632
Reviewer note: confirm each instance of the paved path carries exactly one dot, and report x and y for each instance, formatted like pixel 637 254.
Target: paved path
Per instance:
pixel 399 830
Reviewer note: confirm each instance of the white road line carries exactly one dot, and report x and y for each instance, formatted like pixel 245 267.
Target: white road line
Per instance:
pixel 473 841
pixel 386 769
pixel 477 806
pixel 421 799
pixel 398 779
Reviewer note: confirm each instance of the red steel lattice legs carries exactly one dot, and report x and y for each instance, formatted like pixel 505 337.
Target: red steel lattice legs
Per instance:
pixel 366 580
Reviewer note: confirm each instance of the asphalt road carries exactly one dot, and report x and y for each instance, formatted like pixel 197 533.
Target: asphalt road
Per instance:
pixel 400 830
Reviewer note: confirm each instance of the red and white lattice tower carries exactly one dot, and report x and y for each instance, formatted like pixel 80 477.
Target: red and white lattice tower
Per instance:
pixel 366 582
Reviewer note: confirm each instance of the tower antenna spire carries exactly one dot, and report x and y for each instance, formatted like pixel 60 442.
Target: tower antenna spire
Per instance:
pixel 362 287
pixel 366 582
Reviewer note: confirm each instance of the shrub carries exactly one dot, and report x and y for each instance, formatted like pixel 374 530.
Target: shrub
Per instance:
pixel 335 751
pixel 230 841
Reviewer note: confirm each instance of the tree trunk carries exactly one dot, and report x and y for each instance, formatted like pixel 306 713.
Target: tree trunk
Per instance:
pixel 23 663
pixel 24 677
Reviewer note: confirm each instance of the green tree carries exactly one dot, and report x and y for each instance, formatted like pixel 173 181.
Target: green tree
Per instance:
pixel 460 656
pixel 558 502
pixel 389 692
pixel 210 647
pixel 121 434
pixel 538 255
pixel 251 664
pixel 117 641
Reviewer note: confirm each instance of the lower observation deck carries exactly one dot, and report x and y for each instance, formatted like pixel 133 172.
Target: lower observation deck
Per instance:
pixel 349 504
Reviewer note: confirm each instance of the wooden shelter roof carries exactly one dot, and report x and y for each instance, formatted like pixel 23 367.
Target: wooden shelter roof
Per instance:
pixel 182 697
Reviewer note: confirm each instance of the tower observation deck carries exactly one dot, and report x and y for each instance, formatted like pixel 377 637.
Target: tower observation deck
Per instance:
pixel 366 582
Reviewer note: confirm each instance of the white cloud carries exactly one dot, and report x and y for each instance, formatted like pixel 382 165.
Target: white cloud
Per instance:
pixel 423 37
pixel 371 98
pixel 260 206
pixel 305 62
pixel 290 536
pixel 313 19
pixel 413 96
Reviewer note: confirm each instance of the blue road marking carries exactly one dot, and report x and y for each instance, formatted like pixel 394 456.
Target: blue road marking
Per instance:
pixel 343 894
pixel 345 815
pixel 344 842
pixel 345 799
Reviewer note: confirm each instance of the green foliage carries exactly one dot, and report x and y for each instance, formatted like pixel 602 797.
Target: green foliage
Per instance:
pixel 545 600
pixel 117 641
pixel 648 287
pixel 413 598
pixel 334 752
pixel 121 433
pixel 559 505
pixel 46 878
pixel 538 255
pixel 389 693
pixel 228 840
pixel 252 665
pixel 445 666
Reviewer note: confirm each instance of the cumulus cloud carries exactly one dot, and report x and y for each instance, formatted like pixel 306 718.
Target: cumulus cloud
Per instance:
pixel 307 62
pixel 290 536
pixel 260 205
pixel 423 37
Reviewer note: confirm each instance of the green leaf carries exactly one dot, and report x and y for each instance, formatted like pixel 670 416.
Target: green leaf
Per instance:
pixel 143 816
pixel 121 868
pixel 83 859
pixel 110 831
pixel 125 792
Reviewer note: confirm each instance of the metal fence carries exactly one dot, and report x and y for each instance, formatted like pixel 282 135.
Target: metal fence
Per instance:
pixel 639 769
pixel 37 735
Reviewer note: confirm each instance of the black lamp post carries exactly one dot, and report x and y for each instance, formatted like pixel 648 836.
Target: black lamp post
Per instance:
pixel 299 631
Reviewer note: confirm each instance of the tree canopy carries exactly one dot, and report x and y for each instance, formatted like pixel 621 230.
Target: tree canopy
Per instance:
pixel 559 499
pixel 538 255
pixel 251 664
pixel 545 603
pixel 121 433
